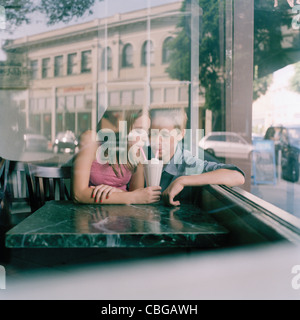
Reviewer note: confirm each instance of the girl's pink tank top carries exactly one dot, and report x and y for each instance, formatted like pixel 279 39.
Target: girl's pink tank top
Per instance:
pixel 104 174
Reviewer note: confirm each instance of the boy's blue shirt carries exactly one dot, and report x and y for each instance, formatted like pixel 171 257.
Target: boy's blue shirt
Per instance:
pixel 183 163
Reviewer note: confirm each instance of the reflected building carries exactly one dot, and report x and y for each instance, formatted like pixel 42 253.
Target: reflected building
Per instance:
pixel 115 63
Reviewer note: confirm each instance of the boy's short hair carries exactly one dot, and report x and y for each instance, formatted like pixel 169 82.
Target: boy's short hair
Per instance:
pixel 177 116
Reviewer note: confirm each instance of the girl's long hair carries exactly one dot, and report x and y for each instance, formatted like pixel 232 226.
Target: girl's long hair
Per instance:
pixel 130 117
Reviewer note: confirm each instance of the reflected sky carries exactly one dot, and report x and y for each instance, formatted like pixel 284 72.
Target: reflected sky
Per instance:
pixel 101 9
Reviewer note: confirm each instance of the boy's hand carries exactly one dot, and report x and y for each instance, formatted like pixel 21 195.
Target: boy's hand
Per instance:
pixel 172 191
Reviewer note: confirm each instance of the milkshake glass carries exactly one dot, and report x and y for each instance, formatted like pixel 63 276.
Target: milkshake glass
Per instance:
pixel 152 172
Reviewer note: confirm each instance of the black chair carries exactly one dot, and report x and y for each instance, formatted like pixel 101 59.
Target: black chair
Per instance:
pixel 18 182
pixel 49 183
pixel 18 203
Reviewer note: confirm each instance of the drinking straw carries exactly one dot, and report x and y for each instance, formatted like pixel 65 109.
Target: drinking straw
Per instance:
pixel 156 155
pixel 143 153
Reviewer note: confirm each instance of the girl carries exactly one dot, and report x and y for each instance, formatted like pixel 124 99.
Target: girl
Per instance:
pixel 107 183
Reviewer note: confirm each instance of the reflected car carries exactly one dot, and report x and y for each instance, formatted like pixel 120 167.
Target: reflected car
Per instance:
pixel 65 142
pixel 287 143
pixel 226 145
pixel 34 141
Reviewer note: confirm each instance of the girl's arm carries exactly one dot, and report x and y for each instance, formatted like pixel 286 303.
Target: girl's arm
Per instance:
pixel 230 178
pixel 82 193
pixel 137 180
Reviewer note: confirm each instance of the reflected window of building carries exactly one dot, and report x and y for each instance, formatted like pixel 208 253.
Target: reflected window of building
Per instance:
pixel 126 98
pixel 170 95
pixel 84 122
pixel 79 102
pixel 156 96
pixel 127 56
pixel 34 69
pixel 70 121
pixel 148 53
pixel 88 101
pixel 48 104
pixel 60 102
pixel 46 68
pixel 58 66
pixel 35 122
pixel 71 63
pixel 59 122
pixel 41 104
pixel 138 97
pixel 166 50
pixel 106 59
pixel 70 102
pixel 86 61
pixel 47 120
pixel 184 93
pixel 114 98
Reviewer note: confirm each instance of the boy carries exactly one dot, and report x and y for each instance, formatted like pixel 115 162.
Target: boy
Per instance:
pixel 167 132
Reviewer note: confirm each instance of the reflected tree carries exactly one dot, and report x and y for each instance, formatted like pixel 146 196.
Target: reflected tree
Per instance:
pixel 65 10
pixel 269 55
pixel 19 12
pixel 210 75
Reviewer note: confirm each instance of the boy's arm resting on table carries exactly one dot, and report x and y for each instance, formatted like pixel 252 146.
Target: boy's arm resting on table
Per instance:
pixel 230 178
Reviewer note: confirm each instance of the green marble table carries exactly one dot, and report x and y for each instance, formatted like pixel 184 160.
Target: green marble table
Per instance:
pixel 69 225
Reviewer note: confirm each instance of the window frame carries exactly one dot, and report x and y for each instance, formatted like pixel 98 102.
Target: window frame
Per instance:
pixel 166 51
pixel 69 65
pixel 58 68
pixel 144 54
pixel 85 61
pixel 46 68
pixel 106 59
pixel 125 63
pixel 34 69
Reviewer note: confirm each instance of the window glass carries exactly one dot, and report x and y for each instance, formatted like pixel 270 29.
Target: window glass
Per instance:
pixel 46 68
pixel 86 61
pixel 166 53
pixel 233 66
pixel 58 66
pixel 34 69
pixel 147 53
pixel 106 61
pixel 127 56
pixel 72 63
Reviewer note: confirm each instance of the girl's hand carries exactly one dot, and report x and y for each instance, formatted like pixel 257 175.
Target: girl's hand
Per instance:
pixel 103 191
pixel 146 195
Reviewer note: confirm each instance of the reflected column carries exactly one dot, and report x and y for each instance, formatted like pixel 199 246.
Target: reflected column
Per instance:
pixel 239 104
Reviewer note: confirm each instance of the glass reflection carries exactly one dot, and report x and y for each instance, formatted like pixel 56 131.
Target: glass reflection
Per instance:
pixel 232 66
